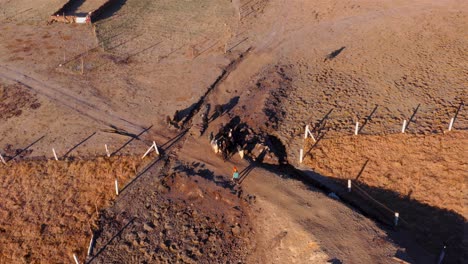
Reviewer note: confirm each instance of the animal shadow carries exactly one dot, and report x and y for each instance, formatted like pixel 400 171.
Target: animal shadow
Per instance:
pixel 334 54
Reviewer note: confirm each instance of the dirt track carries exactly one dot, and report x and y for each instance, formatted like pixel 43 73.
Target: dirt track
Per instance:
pixel 306 59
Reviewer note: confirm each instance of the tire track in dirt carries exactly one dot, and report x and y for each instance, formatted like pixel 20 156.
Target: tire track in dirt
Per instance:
pixel 90 108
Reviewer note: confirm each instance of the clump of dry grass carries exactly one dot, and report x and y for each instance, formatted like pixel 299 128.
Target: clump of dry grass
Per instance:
pixel 49 208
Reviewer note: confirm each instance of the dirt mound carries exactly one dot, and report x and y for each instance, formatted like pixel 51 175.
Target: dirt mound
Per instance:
pixel 182 218
pixel 50 208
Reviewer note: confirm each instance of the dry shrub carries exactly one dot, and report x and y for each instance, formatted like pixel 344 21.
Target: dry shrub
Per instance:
pixel 49 208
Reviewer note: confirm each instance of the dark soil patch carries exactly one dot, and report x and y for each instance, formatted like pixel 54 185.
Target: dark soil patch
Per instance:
pixel 14 100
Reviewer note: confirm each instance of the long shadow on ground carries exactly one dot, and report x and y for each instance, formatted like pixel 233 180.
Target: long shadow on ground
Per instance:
pixel 431 227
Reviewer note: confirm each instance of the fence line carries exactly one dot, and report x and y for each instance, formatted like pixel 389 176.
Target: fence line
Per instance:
pixel 317 129
pixel 320 125
pixel 377 202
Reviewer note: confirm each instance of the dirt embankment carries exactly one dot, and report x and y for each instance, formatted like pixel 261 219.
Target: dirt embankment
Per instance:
pixel 183 217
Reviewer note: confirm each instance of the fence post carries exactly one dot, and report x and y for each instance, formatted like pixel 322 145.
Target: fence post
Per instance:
pixel 90 248
pixel 76 259
pixel 148 151
pixel 107 151
pixel 155 148
pixel 2 159
pixel 349 185
pixel 442 255
pixel 301 154
pixel 397 215
pixel 356 129
pixel 451 124
pixel 403 127
pixel 55 154
pixel 308 132
pixel 116 187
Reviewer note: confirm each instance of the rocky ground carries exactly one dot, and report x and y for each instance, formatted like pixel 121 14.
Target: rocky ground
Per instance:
pixel 180 219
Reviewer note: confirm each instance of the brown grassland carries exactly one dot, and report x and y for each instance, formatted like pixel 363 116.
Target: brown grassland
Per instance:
pixel 51 207
pixel 408 173
pixel 427 168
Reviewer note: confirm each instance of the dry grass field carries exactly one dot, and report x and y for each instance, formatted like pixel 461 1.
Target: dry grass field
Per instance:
pixel 50 209
pixel 428 168
pixel 423 177
pixel 189 28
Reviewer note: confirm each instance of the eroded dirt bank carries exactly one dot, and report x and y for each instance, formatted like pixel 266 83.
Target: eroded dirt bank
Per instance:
pixel 176 217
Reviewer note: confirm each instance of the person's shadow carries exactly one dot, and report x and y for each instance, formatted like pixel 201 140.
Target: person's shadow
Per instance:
pixel 334 261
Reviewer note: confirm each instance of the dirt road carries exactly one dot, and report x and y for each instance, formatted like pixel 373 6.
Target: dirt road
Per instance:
pixel 297 223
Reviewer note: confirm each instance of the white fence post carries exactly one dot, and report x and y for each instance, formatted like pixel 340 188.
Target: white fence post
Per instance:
pixel 349 185
pixel 356 129
pixel 397 215
pixel 155 147
pixel 76 259
pixel 55 154
pixel 116 187
pixel 403 127
pixel 150 148
pixel 107 151
pixel 90 248
pixel 301 154
pixel 307 132
pixel 442 255
pixel 451 124
pixel 2 159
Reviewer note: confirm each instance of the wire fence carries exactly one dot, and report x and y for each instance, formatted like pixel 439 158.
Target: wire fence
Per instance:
pixel 317 133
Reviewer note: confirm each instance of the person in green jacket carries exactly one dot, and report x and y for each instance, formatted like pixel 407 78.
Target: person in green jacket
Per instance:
pixel 235 175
